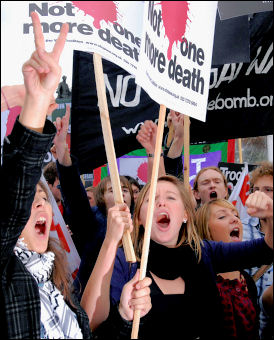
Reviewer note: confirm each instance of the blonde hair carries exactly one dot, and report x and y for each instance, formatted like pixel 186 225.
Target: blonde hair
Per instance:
pixel 188 234
pixel 203 216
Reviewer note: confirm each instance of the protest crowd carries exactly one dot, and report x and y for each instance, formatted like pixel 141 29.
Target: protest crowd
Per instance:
pixel 209 273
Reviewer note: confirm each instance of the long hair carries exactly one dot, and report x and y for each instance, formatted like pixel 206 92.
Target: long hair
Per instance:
pixel 60 275
pixel 188 234
pixel 203 216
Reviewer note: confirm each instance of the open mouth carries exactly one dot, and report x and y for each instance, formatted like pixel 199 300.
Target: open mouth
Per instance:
pixel 163 220
pixel 235 234
pixel 40 226
pixel 213 195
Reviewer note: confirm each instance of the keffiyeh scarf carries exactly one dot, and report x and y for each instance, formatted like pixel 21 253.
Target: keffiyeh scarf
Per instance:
pixel 57 319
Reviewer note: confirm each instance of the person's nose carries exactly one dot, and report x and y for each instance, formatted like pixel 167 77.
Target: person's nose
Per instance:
pixel 160 202
pixel 38 202
pixel 212 184
pixel 233 219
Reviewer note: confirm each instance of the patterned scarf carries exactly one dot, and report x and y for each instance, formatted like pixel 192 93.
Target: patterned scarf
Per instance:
pixel 57 319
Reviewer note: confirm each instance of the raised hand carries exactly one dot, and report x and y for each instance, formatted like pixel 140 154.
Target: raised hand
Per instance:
pixel 62 125
pixel 178 123
pixel 147 136
pixel 42 72
pixel 119 219
pixel 135 296
pixel 260 205
pixel 41 76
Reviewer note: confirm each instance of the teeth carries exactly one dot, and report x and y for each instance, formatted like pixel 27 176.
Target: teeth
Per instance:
pixel 41 219
pixel 163 213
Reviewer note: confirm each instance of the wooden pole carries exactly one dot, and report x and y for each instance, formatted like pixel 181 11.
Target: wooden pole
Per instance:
pixel 186 151
pixel 149 217
pixel 109 146
pixel 170 134
pixel 240 150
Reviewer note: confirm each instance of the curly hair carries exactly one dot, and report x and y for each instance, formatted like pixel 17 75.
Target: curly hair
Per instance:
pixel 263 169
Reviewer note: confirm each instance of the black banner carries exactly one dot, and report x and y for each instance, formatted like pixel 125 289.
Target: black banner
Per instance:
pixel 239 105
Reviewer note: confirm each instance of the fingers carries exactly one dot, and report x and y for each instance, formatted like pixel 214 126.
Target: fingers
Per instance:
pixel 60 42
pixel 37 30
pixel 141 295
pixel 119 220
pixel 259 204
pixel 39 37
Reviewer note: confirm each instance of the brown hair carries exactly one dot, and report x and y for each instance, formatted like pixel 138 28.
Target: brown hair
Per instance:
pixel 188 234
pixel 50 172
pixel 92 189
pixel 263 169
pixel 60 274
pixel 101 188
pixel 203 215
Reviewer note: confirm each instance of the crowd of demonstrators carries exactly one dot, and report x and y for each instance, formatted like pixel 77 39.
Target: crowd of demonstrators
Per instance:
pixel 88 224
pixel 37 299
pixel 261 180
pixel 197 284
pixel 182 267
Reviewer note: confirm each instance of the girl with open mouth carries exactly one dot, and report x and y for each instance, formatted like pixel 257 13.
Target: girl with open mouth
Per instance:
pixel 219 221
pixel 185 298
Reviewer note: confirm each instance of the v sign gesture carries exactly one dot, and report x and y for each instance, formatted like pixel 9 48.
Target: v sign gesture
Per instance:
pixel 41 76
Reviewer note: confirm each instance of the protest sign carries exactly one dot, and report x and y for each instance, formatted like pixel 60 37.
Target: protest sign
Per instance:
pixel 60 232
pixel 240 193
pixel 233 171
pixel 175 54
pixel 115 30
pixel 109 28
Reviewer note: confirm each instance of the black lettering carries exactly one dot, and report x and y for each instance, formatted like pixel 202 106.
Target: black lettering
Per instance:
pixel 56 10
pixel 116 43
pixel 200 56
pixel 178 74
pixel 44 11
pixel 118 28
pixel 161 62
pixel 171 68
pixel 53 28
pixel 84 29
pixel 104 35
pixel 192 47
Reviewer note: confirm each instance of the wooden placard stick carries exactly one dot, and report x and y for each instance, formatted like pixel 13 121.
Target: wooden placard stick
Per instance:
pixel 149 217
pixel 170 134
pixel 186 151
pixel 109 146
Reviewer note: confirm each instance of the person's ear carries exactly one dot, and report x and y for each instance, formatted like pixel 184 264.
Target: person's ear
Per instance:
pixel 196 195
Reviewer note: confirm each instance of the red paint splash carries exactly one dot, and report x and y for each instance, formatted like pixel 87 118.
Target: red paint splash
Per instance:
pixel 99 10
pixel 142 172
pixel 174 16
pixel 14 112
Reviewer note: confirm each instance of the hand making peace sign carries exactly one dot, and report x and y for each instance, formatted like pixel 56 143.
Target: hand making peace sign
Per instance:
pixel 41 76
